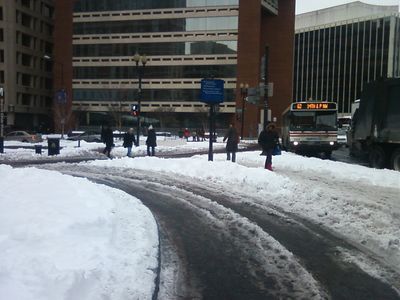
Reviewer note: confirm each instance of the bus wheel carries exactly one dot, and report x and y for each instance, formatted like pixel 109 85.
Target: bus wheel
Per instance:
pixel 395 160
pixel 377 157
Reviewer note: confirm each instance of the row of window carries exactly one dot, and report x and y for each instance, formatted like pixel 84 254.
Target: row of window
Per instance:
pixel 147 95
pixel 110 5
pixel 34 81
pixel 168 49
pixel 34 43
pixel 157 25
pixel 33 23
pixel 33 100
pixel 334 63
pixel 45 9
pixel 158 72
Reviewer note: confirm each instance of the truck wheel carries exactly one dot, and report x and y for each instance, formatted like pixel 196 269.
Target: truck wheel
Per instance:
pixel 377 157
pixel 395 160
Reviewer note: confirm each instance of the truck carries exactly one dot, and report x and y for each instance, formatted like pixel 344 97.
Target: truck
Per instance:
pixel 375 126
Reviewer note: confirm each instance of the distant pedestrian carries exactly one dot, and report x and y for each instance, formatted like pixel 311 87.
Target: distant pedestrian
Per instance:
pixel 129 141
pixel 186 134
pixel 107 137
pixel 201 134
pixel 232 139
pixel 151 141
pixel 268 139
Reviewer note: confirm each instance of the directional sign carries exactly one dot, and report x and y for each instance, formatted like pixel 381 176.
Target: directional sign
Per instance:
pixel 61 96
pixel 212 91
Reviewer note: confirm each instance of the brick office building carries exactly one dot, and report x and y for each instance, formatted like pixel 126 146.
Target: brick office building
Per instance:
pixel 184 41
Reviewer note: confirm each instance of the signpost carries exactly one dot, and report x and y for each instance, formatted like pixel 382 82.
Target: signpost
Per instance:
pixel 1 120
pixel 212 93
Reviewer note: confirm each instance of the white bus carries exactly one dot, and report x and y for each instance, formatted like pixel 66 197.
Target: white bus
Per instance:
pixel 310 127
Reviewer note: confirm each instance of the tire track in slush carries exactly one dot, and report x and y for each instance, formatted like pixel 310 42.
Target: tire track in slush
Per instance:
pixel 220 264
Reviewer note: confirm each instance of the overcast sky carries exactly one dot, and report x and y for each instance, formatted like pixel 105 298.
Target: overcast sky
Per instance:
pixel 303 6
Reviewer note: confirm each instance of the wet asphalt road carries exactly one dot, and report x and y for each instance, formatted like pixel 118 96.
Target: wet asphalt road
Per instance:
pixel 218 244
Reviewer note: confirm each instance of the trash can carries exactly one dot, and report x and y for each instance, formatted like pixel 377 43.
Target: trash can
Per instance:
pixel 38 149
pixel 53 146
pixel 1 144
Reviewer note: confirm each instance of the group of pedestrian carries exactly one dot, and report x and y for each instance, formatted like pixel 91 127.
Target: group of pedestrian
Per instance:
pixel 197 135
pixel 129 140
pixel 268 140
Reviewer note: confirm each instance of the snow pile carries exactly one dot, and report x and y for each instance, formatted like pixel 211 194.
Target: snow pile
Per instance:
pixel 67 238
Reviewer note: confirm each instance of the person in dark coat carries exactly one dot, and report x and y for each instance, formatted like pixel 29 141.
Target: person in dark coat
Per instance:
pixel 108 139
pixel 232 139
pixel 268 139
pixel 129 141
pixel 151 141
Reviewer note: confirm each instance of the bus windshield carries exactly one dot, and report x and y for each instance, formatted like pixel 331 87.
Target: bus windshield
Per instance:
pixel 313 120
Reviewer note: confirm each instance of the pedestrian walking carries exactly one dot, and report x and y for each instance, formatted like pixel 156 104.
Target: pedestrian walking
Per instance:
pixel 129 141
pixel 108 139
pixel 232 139
pixel 268 139
pixel 151 141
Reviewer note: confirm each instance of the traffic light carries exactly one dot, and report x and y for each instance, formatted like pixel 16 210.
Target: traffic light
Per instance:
pixel 135 110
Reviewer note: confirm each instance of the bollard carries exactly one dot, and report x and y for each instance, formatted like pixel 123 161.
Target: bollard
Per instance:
pixel 53 146
pixel 38 149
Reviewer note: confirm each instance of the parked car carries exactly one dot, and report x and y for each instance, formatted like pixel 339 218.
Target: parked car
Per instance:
pixel 23 136
pixel 87 136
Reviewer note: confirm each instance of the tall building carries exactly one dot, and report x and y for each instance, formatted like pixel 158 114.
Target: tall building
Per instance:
pixel 340 49
pixel 26 36
pixel 184 41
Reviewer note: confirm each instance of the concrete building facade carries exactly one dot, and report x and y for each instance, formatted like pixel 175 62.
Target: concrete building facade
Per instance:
pixel 340 49
pixel 26 36
pixel 184 42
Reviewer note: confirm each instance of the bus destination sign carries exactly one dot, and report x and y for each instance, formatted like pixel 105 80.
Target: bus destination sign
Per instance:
pixel 313 106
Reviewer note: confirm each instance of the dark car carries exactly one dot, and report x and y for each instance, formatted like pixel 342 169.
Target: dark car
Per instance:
pixel 23 136
pixel 87 136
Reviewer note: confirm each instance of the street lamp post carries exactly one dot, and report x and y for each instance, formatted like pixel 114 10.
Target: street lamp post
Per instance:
pixel 61 95
pixel 243 93
pixel 140 61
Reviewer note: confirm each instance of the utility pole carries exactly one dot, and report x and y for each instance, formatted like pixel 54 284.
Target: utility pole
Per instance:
pixel 1 120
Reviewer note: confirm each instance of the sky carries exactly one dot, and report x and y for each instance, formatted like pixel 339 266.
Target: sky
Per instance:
pixel 101 242
pixel 303 6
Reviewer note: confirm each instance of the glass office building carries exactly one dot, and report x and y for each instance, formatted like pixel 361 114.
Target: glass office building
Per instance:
pixel 184 42
pixel 340 49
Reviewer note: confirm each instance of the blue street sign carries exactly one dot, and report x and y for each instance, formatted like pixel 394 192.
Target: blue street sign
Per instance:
pixel 212 91
pixel 61 96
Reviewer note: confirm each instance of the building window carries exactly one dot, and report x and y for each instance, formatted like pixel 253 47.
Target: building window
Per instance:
pixel 26 60
pixel 26 20
pixel 1 13
pixel 26 79
pixel 1 76
pixel 26 99
pixel 1 35
pixel 1 55
pixel 26 40
pixel 26 3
